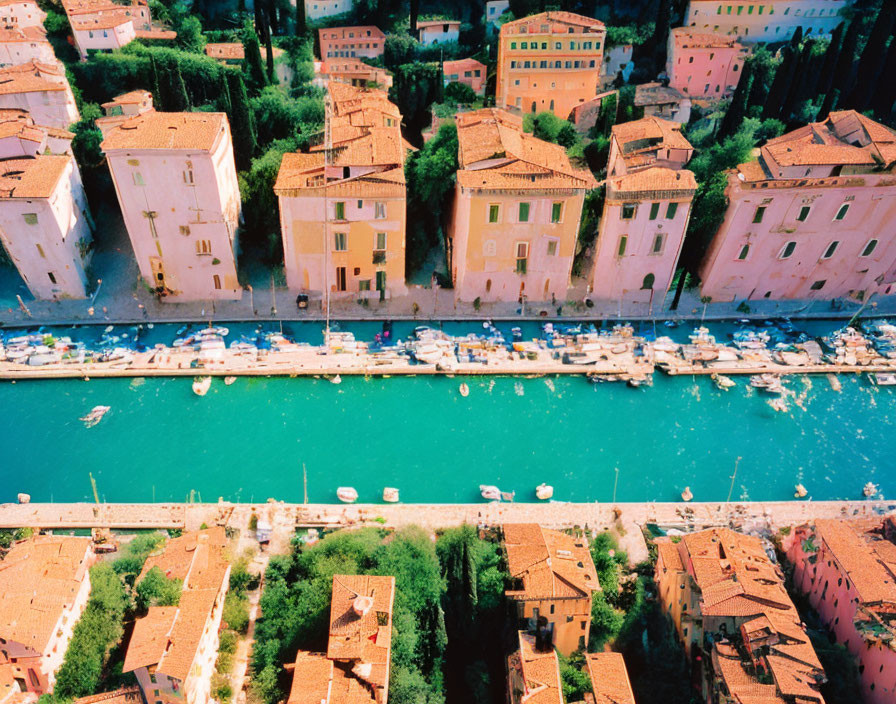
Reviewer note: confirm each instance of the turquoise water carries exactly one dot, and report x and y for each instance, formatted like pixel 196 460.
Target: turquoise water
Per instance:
pixel 249 441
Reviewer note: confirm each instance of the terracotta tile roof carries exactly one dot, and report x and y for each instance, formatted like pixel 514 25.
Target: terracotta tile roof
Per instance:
pixel 33 77
pixel 32 177
pixel 170 636
pixel 421 24
pixel 127 695
pixel 344 66
pixel 660 133
pixel 656 94
pixel 84 6
pixel 193 131
pixel 689 37
pixel 135 97
pixel 668 552
pixel 19 123
pixel 462 65
pixel 494 152
pixel 234 51
pixel 156 34
pixel 10 35
pixel 555 16
pixel 655 178
pixel 361 623
pixel 343 32
pixel 549 563
pixel 541 673
pixel 312 679
pixel 866 558
pixel 609 679
pixel 6 3
pixel 39 579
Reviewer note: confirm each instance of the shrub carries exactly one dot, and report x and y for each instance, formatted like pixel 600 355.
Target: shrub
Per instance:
pixel 236 612
pixel 459 93
pixel 155 589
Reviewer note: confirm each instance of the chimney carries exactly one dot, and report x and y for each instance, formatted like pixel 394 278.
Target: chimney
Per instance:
pixel 362 604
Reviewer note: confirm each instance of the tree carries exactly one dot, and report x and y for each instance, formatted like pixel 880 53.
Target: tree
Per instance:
pixel 253 66
pixel 885 95
pixel 826 74
pixel 872 59
pixel 301 22
pixel 242 126
pixel 780 88
pixel 155 85
pixel 178 100
pixel 415 11
pixel 843 71
pixel 764 66
pixel 574 680
pixel 415 88
pixel 796 38
pixel 399 49
pixel 189 34
pixel 737 110
pixel 802 79
pixel 660 37
pixel 459 93
pixel 155 589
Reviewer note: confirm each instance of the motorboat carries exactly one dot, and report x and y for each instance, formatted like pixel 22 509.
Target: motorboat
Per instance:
pixel 464 390
pixel 336 379
pixel 95 416
pixel 687 494
pixel 601 378
pixel 490 492
pixel 390 495
pixel 544 492
pixel 347 494
pixel 202 385
pixel 723 382
pixel 869 490
pixel 801 492
pixel 883 378
pixel 769 382
pixel 640 379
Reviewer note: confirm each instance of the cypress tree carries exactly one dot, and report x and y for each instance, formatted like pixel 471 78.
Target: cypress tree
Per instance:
pixel 737 110
pixel 797 37
pixel 872 58
pixel 180 101
pixel 802 74
pixel 660 37
pixel 826 74
pixel 763 74
pixel 253 66
pixel 242 126
pixel 780 88
pixel 301 23
pixel 415 11
pixel 156 87
pixel 830 102
pixel 269 48
pixel 273 17
pixel 223 101
pixel 843 71
pixel 885 95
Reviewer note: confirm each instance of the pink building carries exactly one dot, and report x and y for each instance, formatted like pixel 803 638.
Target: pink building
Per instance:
pixel 123 107
pixel 848 571
pixel 431 32
pixel 44 587
pixel 470 72
pixel 646 212
pixel 21 14
pixel 21 137
pixel 45 223
pixel 42 90
pixel 177 186
pixel 104 25
pixel 702 65
pixel 23 45
pixel 351 43
pixel 811 217
pixel 517 209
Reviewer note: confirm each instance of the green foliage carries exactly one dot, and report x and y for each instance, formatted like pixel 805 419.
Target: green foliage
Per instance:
pixel 99 628
pixel 236 611
pixel 134 554
pixel 242 123
pixel 415 87
pixel 399 49
pixel 550 128
pixel 253 67
pixel 260 208
pixel 277 116
pixel 155 589
pixel 574 679
pixel 459 93
pixel 620 35
pixel 606 622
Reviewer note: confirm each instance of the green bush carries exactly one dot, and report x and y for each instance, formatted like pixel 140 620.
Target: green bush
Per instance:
pixel 134 554
pixel 461 93
pixel 155 589
pixel 236 612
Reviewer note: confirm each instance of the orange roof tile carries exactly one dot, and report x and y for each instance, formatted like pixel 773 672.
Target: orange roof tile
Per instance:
pixel 541 673
pixel 127 695
pixel 855 548
pixel 658 132
pixel 40 577
pixel 554 16
pixel 654 178
pixel 339 33
pixel 32 177
pixel 31 77
pixel 234 51
pixel 462 65
pixel 312 679
pixel 105 19
pixel 421 24
pixel 609 679
pixel 134 97
pixel 549 563
pixel 193 131
pixel 13 35
pixel 688 37
pixel 155 34
pixel 361 622
pixel 668 553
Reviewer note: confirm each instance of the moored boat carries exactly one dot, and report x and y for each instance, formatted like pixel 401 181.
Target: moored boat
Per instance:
pixel 687 494
pixel 869 490
pixel 228 380
pixel 202 385
pixel 95 415
pixel 390 495
pixel 768 382
pixel 801 492
pixel 490 492
pixel 347 494
pixel 883 378
pixel 464 390
pixel 544 492
pixel 723 382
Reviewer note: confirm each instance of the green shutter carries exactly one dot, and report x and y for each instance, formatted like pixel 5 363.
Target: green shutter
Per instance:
pixel 524 212
pixel 654 210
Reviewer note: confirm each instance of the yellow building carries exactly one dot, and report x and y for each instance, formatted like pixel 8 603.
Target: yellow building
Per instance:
pixel 517 208
pixel 550 61
pixel 343 212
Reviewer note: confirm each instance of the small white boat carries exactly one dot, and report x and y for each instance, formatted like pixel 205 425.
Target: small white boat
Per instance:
pixel 834 382
pixel 228 380
pixel 869 490
pixel 801 492
pixel 202 385
pixel 544 492
pixel 687 494
pixel 489 492
pixel 347 494
pixel 95 416
pixel 464 390
pixel 336 379
pixel 883 378
pixel 390 495
pixel 723 382
pixel 769 382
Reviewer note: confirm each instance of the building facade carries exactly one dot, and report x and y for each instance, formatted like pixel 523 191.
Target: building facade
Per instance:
pixel 351 43
pixel 551 61
pixel 553 579
pixel 618 60
pixel 42 90
pixel 494 9
pixel 516 214
pixel 765 20
pixel 343 212
pixel 848 571
pixel 105 25
pixel 704 66
pixel 24 45
pixel 658 100
pixel 45 223
pixel 176 182
pixel 173 649
pixel 470 72
pixel 431 32
pixel 122 108
pixel 646 212
pixel 320 9
pixel 810 218
pixel 352 71
pixel 533 672
pixel 21 137
pixel 44 588
pixel 19 14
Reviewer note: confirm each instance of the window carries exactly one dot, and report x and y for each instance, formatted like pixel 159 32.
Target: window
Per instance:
pixel 818 285
pixel 217 281
pixel 188 177
pixel 829 252
pixel 759 214
pixel 744 252
pixel 203 246
pixel 804 213
pixel 51 276
pixel 340 211
pixel 493 211
pixel 841 213
pixel 185 230
pixel 869 248
pixel 340 243
pixel 381 281
pixel 654 210
pixel 380 240
pixel 524 212
pixel 40 251
pixel 787 250
pixel 552 248
pixel 647 284
pixel 628 211
pixel 623 241
pixel 522 256
pixel 671 210
pixel 364 285
pixel 138 179
pixel 658 241
pixel 30 218
pixel 340 278
pixel 379 211
pixel 556 212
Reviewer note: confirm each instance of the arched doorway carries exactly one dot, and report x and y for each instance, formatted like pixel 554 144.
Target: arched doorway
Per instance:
pixel 647 284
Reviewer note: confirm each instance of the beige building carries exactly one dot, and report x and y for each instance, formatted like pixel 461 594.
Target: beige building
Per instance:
pixel 554 578
pixel 355 668
pixel 22 45
pixel 517 209
pixel 44 587
pixel 122 108
pixel 173 649
pixel 20 14
pixel 176 183
pixel 343 212
pixel 20 136
pixel 41 89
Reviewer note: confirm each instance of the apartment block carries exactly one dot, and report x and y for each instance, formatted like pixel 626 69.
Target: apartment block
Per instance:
pixel 176 182
pixel 470 72
pixel 430 32
pixel 646 212
pixel 105 25
pixel 21 137
pixel 516 214
pixel 704 66
pixel 122 108
pixel 810 217
pixel 551 61
pixel 320 9
pixel 351 43
pixel 21 14
pixel 352 71
pixel 22 45
pixel 42 90
pixel 765 20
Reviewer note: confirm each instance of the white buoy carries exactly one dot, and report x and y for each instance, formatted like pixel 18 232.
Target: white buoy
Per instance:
pixel 687 494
